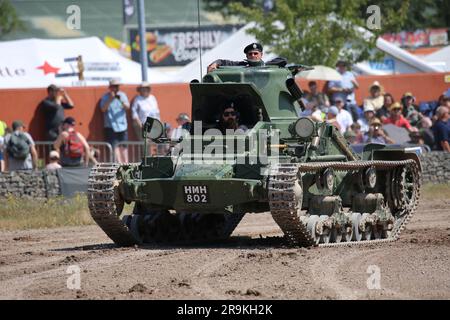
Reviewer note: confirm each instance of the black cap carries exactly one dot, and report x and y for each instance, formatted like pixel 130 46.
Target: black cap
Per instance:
pixel 253 46
pixel 228 105
pixel 17 124
pixel 69 120
pixel 341 63
pixel 52 87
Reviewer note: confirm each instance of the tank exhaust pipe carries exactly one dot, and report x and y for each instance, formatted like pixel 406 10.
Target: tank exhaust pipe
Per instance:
pixel 295 91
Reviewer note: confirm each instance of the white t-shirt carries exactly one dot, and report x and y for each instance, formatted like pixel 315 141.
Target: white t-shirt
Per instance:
pixel 145 107
pixel 345 120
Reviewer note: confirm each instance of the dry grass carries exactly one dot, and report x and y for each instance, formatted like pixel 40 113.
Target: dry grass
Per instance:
pixel 436 191
pixel 20 214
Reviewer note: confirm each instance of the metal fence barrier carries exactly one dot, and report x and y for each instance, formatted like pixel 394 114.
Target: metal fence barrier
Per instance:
pixel 136 149
pixel 102 151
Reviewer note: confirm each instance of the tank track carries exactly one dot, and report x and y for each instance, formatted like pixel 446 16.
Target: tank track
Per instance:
pixel 285 207
pixel 105 204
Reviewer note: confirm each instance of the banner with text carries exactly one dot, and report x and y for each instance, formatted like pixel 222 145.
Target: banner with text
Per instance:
pixel 179 46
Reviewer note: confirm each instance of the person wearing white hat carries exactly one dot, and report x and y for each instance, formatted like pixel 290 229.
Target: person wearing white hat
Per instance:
pixel 376 98
pixel 180 131
pixel 369 115
pixel 144 105
pixel 54 161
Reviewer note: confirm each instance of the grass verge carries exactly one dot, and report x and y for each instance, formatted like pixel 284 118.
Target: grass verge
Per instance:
pixel 436 191
pixel 21 214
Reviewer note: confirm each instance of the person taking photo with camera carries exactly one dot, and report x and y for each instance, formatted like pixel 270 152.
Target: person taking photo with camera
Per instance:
pixel 114 104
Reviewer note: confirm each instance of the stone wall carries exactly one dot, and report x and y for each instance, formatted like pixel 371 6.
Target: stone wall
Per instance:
pixel 29 183
pixel 436 167
pixel 45 184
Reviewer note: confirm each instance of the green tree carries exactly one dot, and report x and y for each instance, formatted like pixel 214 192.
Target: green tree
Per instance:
pixel 320 31
pixel 424 14
pixel 9 20
pixel 223 6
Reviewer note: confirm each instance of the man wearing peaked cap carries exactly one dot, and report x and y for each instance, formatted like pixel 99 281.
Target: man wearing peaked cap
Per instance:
pixel 253 47
pixel 254 54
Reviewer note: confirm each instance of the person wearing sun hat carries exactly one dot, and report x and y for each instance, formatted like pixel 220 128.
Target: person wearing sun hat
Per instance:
pixel 144 105
pixel 54 161
pixel 396 118
pixel 369 114
pixel 376 98
pixel 410 109
pixel 376 133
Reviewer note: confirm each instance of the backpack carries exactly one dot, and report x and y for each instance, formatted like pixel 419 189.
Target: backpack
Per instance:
pixel 18 146
pixel 74 147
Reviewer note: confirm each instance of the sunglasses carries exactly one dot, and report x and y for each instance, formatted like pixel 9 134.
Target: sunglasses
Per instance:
pixel 229 113
pixel 253 53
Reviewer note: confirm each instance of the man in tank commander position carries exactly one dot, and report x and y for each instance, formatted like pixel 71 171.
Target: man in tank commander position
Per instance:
pixel 254 53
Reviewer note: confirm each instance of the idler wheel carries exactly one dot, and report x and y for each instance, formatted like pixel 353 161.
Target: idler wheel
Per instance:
pixel 325 180
pixel 368 230
pixel 325 236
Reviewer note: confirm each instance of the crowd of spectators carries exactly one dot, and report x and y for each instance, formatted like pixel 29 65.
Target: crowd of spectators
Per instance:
pixel 427 123
pixel 70 148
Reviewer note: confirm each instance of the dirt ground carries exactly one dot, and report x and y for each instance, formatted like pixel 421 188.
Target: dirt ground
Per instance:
pixel 253 264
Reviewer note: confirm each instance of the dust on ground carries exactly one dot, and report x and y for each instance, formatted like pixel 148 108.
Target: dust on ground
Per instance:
pixel 252 264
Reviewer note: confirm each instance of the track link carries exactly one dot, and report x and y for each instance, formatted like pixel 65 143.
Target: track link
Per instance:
pixel 285 207
pixel 105 204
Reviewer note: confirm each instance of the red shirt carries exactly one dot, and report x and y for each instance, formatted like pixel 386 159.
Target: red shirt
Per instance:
pixel 401 122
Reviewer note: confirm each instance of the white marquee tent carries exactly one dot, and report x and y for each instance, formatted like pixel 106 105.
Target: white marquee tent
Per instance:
pixel 36 63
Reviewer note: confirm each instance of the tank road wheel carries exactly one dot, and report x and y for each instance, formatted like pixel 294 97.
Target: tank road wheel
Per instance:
pixel 356 220
pixel 368 230
pixel 312 228
pixel 325 236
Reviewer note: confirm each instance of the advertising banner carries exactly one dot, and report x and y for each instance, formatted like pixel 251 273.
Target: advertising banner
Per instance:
pixel 418 38
pixel 179 46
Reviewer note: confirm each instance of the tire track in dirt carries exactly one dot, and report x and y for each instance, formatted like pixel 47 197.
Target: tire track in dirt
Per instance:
pixel 329 272
pixel 203 274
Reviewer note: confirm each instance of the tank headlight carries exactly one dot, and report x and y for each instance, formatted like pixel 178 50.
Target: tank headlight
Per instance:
pixel 154 128
pixel 304 128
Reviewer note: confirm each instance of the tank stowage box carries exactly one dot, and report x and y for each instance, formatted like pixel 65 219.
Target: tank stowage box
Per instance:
pixel 303 172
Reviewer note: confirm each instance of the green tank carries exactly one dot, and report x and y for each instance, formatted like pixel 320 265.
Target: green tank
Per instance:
pixel 303 172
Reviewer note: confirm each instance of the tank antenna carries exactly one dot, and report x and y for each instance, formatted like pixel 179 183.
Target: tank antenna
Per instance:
pixel 199 39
